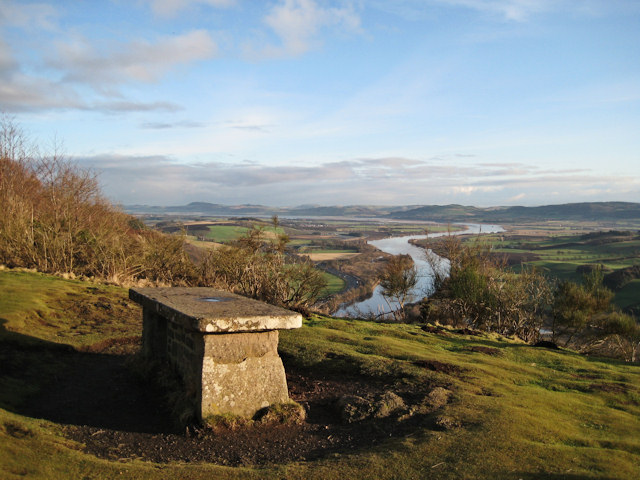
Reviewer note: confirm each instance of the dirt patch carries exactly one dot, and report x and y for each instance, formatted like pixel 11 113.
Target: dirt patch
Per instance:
pixel 435 329
pixel 112 414
pixel 255 443
pixel 608 387
pixel 441 367
pixel 468 331
pixel 486 350
pixel 17 431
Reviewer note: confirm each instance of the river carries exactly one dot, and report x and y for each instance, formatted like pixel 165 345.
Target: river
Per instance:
pixel 400 246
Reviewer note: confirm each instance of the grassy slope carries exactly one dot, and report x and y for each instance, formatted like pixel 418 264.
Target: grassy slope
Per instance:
pixel 334 284
pixel 526 413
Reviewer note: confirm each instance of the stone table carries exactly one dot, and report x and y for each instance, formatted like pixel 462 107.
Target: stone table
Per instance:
pixel 224 346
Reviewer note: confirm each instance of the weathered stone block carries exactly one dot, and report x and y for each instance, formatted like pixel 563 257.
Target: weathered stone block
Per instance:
pixel 224 346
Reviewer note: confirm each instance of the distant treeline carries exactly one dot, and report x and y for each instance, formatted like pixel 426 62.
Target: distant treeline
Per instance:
pixel 589 211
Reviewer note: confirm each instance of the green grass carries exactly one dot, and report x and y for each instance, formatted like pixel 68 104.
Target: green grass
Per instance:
pixel 228 233
pixel 298 242
pixel 225 233
pixel 525 413
pixel 334 284
pixel 62 311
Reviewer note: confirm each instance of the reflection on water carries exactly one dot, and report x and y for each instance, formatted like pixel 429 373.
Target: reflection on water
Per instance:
pixel 400 246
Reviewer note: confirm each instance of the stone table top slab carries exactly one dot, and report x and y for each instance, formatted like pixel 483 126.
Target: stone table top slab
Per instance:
pixel 209 310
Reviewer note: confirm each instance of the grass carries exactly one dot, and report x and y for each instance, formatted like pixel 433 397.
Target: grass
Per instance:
pixel 225 233
pixel 334 284
pixel 524 412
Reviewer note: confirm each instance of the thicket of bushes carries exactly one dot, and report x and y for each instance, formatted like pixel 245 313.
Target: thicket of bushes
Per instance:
pixel 476 289
pixel 56 220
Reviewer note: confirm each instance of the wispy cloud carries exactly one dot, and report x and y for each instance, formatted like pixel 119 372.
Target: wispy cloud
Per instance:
pixel 23 92
pixel 81 61
pixel 517 10
pixel 89 77
pixel 298 23
pixel 170 8
pixel 170 125
pixel 31 16
pixel 509 10
pixel 394 180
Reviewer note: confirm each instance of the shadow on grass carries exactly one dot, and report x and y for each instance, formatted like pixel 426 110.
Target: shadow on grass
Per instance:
pixel 52 381
pixel 558 476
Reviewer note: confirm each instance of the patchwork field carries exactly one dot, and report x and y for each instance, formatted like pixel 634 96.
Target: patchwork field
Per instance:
pixel 564 256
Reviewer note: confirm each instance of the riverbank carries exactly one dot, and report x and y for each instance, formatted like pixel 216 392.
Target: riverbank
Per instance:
pixel 376 304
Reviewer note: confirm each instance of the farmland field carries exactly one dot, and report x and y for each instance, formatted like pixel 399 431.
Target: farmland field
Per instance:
pixel 563 256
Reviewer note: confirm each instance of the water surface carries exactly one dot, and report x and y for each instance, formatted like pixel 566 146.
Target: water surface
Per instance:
pixel 400 246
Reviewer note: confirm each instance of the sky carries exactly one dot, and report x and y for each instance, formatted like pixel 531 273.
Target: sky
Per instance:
pixel 333 102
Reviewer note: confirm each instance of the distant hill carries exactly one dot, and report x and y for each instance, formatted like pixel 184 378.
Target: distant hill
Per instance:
pixel 591 211
pixel 204 208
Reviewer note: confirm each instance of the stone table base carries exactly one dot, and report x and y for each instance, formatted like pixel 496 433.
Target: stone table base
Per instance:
pixel 225 347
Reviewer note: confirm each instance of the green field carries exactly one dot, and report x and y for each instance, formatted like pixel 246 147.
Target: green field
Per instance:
pixel 514 411
pixel 225 233
pixel 334 284
pixel 228 233
pixel 561 256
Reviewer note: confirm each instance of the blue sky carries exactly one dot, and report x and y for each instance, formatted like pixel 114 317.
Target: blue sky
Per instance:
pixel 289 102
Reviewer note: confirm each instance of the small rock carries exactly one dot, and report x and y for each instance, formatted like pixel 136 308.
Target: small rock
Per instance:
pixel 388 404
pixel 447 423
pixel 438 397
pixel 289 413
pixel 354 409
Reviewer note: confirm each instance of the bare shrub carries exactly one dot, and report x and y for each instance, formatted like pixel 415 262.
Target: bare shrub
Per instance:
pixel 260 268
pixel 55 219
pixel 478 290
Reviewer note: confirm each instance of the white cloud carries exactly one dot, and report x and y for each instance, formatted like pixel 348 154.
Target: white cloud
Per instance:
pixel 169 8
pixel 162 180
pixel 298 23
pixel 517 197
pixel 30 16
pixel 20 92
pixel 138 60
pixel 7 62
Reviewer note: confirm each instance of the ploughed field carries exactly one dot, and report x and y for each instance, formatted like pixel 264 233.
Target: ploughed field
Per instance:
pixel 381 401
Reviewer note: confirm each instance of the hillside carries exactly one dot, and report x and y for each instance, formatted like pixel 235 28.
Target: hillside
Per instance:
pixel 214 209
pixel 471 405
pixel 593 211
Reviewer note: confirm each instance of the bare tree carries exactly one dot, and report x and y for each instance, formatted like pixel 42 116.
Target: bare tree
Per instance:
pixel 398 279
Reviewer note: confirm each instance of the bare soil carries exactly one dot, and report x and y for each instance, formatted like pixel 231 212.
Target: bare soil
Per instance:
pixel 113 415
